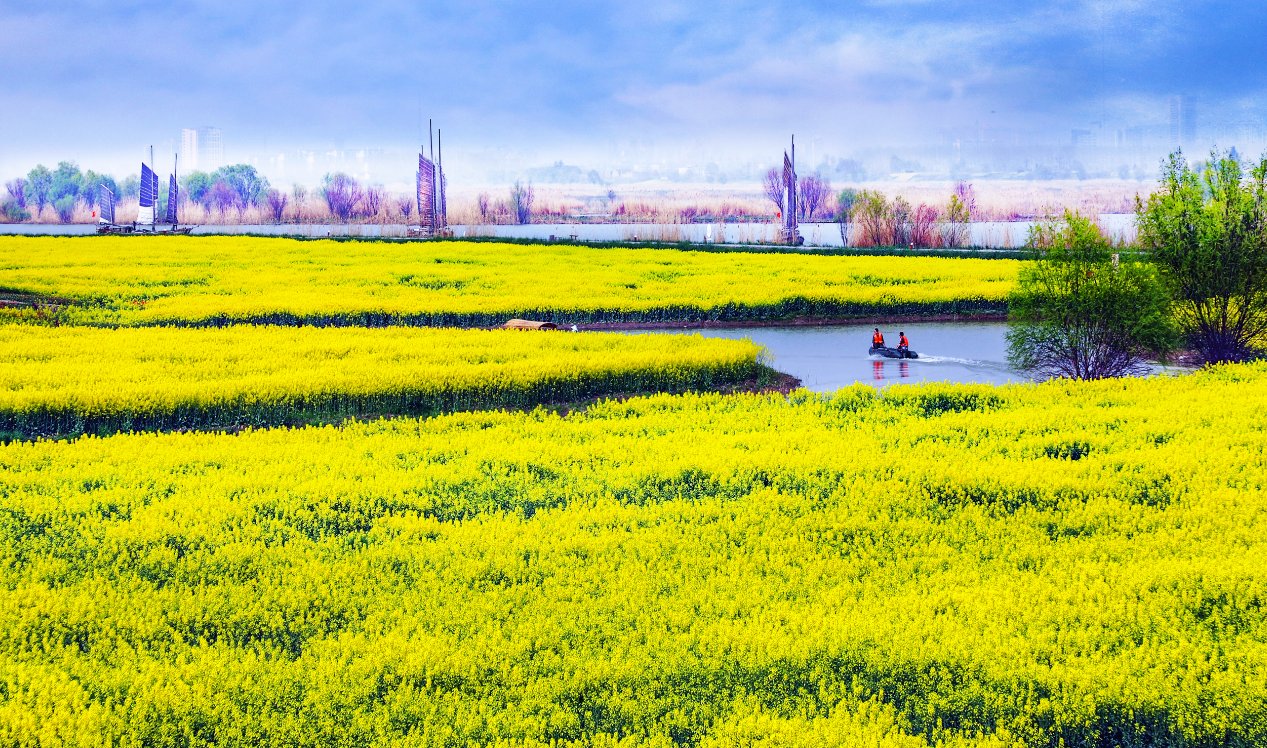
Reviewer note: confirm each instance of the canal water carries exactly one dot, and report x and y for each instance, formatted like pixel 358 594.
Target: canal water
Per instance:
pixel 830 357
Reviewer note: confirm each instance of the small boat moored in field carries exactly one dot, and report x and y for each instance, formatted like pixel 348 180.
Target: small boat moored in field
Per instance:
pixel 887 352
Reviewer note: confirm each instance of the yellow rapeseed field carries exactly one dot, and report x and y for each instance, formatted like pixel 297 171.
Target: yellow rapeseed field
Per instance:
pixel 71 380
pixel 219 280
pixel 1066 564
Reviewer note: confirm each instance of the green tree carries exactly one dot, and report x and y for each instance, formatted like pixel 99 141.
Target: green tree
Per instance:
pixel 64 206
pixel 92 183
pixel 196 185
pixel 67 181
pixel 245 182
pixel 1079 313
pixel 1208 228
pixel 38 183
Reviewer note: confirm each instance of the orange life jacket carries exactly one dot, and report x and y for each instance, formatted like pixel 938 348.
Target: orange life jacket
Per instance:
pixel 877 339
pixel 904 342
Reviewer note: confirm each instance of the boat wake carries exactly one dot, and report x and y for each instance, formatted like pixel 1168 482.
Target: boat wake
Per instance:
pixel 969 362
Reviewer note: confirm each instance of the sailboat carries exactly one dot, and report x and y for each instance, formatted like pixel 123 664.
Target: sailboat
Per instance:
pixel 105 213
pixel 147 221
pixel 433 211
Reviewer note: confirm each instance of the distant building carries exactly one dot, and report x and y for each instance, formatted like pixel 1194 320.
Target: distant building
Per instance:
pixel 202 149
pixel 189 148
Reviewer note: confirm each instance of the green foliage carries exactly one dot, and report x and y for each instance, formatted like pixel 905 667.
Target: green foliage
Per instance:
pixel 244 180
pixel 955 222
pixel 845 200
pixel 14 213
pixel 1077 312
pixel 873 217
pixel 92 182
pixel 196 185
pixel 67 181
pixel 39 182
pixel 65 207
pixel 1208 228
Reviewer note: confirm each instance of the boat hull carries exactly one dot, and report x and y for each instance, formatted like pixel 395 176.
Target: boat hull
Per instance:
pixel 887 352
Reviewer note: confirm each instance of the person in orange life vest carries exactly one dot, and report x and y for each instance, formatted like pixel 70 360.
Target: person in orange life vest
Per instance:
pixel 877 339
pixel 902 343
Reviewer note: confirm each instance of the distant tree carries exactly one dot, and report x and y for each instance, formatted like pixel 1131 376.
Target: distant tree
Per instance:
pixel 900 218
pixel 521 202
pixel 406 206
pixel 1208 229
pixel 844 212
pixel 774 188
pixel 67 181
pixel 245 181
pixel 341 193
pixel 874 218
pixel 196 186
pixel 92 183
pixel 373 201
pixel 276 201
pixel 64 206
pixel 955 226
pixel 814 190
pixel 222 197
pixel 298 196
pixel 17 190
pixel 967 195
pixel 1078 313
pixel 39 182
pixel 482 201
pixel 130 186
pixel 924 226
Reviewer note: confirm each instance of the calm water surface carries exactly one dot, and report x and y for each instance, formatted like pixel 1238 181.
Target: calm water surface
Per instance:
pixel 828 358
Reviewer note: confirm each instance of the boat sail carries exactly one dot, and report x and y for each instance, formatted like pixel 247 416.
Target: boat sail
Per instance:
pixel 147 218
pixel 105 206
pixel 146 214
pixel 173 200
pixel 433 213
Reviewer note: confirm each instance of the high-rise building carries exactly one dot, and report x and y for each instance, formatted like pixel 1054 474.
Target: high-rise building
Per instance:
pixel 189 149
pixel 1183 121
pixel 202 149
pixel 210 148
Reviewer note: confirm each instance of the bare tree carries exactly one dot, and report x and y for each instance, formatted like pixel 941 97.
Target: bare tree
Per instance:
pixel 924 226
pixel 221 196
pixel 17 191
pixel 968 196
pixel 774 187
pixel 406 205
pixel 298 194
pixel 482 201
pixel 276 200
pixel 373 201
pixel 901 213
pixel 521 202
pixel 813 196
pixel 342 194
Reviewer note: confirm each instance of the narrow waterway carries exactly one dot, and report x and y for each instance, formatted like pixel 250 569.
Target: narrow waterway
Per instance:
pixel 830 357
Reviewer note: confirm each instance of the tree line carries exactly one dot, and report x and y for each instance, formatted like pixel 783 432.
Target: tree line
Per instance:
pixel 1197 279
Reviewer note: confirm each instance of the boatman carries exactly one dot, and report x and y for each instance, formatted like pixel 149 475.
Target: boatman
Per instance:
pixel 877 339
pixel 902 343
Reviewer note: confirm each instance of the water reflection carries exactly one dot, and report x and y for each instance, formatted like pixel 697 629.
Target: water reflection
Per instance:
pixel 878 365
pixel 828 358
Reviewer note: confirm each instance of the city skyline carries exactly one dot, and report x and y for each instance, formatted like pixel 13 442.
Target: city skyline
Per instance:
pixel 617 88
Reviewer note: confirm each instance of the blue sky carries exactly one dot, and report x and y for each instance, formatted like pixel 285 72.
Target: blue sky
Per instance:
pixel 572 80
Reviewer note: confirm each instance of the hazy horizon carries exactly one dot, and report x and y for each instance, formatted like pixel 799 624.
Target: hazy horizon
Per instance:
pixel 634 89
